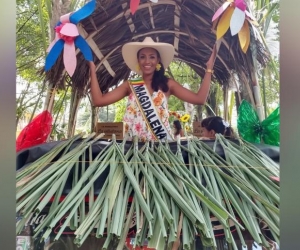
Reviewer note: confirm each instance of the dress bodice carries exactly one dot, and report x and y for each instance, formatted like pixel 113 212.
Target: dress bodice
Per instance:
pixel 135 124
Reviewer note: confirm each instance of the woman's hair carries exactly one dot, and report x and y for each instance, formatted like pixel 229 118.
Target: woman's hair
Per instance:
pixel 159 80
pixel 217 124
pixel 177 126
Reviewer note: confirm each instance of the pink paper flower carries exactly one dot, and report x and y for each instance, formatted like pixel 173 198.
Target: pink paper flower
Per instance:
pixel 67 31
pixel 66 38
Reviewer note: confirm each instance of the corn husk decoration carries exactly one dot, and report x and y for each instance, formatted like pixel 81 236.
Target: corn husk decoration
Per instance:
pixel 233 14
pixel 169 197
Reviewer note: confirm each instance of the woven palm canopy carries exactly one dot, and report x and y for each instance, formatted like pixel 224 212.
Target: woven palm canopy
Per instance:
pixel 184 23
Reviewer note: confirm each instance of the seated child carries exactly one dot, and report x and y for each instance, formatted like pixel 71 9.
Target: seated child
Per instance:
pixel 215 124
pixel 178 131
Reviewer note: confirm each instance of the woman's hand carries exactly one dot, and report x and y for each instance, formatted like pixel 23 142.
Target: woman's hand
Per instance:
pixel 211 61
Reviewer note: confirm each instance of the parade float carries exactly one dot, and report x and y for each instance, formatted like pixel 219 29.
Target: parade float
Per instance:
pixel 92 192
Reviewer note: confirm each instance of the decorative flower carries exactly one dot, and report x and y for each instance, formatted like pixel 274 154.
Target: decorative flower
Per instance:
pixel 138 127
pixel 131 110
pixel 67 37
pixel 185 118
pixel 157 101
pixel 236 17
pixel 158 67
pixel 187 128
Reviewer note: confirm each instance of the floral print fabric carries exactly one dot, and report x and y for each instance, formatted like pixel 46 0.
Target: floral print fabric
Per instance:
pixel 134 120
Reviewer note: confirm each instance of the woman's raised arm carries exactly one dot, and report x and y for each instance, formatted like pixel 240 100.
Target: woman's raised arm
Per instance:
pixel 200 97
pixel 98 98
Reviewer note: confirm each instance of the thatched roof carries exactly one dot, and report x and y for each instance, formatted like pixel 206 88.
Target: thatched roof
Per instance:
pixel 184 23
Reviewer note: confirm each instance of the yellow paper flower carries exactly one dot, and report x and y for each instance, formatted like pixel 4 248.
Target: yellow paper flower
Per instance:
pixel 187 128
pixel 185 118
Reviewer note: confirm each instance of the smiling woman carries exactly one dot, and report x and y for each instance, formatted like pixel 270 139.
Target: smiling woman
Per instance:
pixel 147 114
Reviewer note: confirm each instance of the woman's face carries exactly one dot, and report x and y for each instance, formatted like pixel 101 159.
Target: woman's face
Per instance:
pixel 148 59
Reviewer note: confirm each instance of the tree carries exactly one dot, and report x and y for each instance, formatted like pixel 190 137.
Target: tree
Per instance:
pixel 267 14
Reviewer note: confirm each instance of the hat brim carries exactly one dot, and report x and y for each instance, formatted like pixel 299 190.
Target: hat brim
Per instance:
pixel 129 53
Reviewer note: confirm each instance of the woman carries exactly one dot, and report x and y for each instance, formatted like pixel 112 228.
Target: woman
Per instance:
pixel 147 108
pixel 215 125
pixel 178 131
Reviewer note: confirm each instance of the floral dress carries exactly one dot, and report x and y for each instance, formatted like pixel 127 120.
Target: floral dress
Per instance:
pixel 134 120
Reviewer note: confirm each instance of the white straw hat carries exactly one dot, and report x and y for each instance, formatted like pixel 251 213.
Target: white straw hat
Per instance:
pixel 129 52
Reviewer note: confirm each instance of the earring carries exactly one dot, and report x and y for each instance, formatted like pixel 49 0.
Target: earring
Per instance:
pixel 158 66
pixel 138 67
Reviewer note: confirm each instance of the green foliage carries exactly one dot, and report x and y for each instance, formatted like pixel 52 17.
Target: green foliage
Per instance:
pixel 30 53
pixel 183 74
pixel 267 14
pixel 270 86
pixel 120 108
pixel 28 97
pixel 62 101
pixel 265 11
pixel 107 114
pixel 58 132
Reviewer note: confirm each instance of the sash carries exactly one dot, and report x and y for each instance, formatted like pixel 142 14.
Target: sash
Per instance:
pixel 148 110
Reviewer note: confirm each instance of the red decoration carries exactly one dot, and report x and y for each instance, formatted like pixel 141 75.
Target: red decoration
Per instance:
pixel 36 132
pixel 134 4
